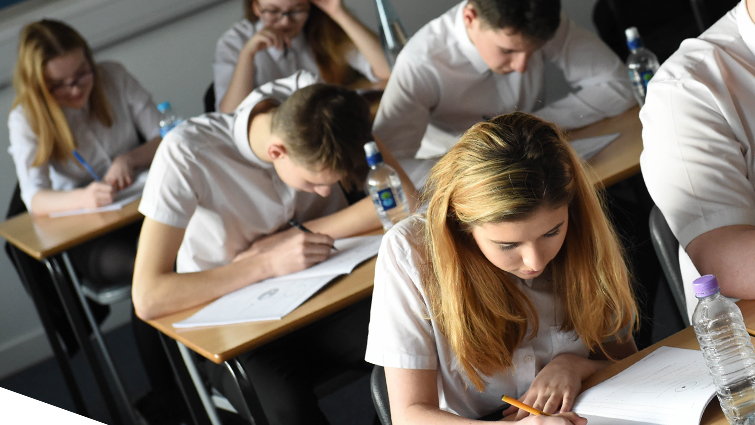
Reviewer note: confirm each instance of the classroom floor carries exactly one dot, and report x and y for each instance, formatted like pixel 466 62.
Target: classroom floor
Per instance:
pixel 349 405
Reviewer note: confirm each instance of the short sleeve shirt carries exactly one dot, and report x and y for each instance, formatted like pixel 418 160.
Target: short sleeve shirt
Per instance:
pixel 402 334
pixel 134 114
pixel 699 130
pixel 440 86
pixel 206 178
pixel 269 64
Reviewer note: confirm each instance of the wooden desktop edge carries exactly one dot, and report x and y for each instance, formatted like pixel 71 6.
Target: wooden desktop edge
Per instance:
pixel 42 237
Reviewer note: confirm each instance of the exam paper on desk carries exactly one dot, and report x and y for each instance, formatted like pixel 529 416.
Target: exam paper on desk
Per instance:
pixel 670 386
pixel 272 299
pixel 122 198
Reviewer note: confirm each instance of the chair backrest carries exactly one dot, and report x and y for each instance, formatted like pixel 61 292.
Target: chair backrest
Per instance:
pixel 667 249
pixel 209 99
pixel 379 392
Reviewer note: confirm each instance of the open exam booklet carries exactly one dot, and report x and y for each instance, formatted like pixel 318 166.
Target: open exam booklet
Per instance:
pixel 670 386
pixel 274 298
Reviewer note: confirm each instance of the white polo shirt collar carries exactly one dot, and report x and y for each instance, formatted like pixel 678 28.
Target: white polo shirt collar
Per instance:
pixel 241 135
pixel 465 44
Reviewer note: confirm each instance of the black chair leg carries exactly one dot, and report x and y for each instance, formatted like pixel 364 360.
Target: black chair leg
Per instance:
pixel 69 302
pixel 184 381
pixel 254 414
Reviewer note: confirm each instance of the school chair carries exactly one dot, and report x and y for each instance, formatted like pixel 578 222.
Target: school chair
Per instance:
pixel 379 393
pixel 667 249
pixel 55 320
pixel 209 99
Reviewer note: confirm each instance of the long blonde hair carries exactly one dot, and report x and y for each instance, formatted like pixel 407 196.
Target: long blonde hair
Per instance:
pixel 328 42
pixel 505 170
pixel 40 42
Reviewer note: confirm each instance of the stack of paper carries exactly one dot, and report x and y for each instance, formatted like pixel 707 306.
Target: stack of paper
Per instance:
pixel 121 199
pixel 670 386
pixel 274 298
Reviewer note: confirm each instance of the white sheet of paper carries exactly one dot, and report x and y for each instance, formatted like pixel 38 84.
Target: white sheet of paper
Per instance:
pixel 588 147
pixel 669 386
pixel 122 198
pixel 272 299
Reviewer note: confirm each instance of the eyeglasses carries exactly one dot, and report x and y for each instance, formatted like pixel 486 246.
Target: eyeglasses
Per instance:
pixel 274 15
pixel 59 89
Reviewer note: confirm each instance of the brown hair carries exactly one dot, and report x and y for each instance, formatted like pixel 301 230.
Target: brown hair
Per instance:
pixel 326 126
pixel 38 43
pixel 537 20
pixel 328 42
pixel 503 170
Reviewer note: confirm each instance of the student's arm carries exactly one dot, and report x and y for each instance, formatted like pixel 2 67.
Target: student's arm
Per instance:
pixel 727 253
pixel 599 78
pixel 404 112
pixel 364 39
pixel 158 290
pixel 362 216
pixel 121 172
pixel 557 385
pixel 242 81
pixel 413 397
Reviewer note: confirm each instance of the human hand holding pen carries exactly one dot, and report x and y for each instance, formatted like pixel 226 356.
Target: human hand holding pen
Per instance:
pixel 295 223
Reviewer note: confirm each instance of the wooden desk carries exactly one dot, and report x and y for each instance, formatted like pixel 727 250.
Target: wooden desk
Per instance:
pixel 685 339
pixel 43 237
pixel 620 159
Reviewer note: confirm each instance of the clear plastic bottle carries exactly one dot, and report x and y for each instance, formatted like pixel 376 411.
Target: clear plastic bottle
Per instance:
pixel 642 64
pixel 727 349
pixel 168 119
pixel 384 186
pixel 392 35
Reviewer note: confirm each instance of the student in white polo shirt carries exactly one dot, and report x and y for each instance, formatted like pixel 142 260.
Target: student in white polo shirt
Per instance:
pixel 221 191
pixel 483 58
pixel 699 157
pixel 279 37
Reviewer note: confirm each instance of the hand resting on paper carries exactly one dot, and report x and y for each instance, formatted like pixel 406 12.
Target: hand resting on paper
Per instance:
pixel 556 386
pixel 290 250
pixel 120 175
pixel 96 194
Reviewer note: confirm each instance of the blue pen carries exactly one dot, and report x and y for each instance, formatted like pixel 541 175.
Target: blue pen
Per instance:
pixel 85 165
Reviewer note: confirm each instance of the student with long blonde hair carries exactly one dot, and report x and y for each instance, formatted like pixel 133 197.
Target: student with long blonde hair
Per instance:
pixel 279 37
pixel 513 282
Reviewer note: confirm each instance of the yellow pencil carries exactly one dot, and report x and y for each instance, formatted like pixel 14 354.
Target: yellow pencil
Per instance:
pixel 519 404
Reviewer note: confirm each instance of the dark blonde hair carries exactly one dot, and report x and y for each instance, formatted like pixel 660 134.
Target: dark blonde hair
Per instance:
pixel 505 170
pixel 40 42
pixel 328 42
pixel 325 127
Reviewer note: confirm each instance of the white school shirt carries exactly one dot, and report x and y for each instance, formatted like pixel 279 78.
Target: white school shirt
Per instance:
pixel 133 111
pixel 401 335
pixel 699 134
pixel 269 64
pixel 206 179
pixel 441 84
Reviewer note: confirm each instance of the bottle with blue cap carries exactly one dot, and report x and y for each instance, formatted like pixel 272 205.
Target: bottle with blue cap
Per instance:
pixel 168 119
pixel 384 186
pixel 727 349
pixel 642 64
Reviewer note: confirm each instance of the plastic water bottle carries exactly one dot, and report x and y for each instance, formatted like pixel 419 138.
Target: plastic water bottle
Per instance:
pixel 392 35
pixel 384 186
pixel 168 119
pixel 642 64
pixel 727 349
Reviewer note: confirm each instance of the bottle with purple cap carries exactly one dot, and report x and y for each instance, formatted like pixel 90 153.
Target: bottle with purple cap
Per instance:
pixel 727 349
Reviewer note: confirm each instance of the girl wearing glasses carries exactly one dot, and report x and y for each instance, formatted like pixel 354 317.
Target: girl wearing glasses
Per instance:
pixel 65 102
pixel 279 37
pixel 513 283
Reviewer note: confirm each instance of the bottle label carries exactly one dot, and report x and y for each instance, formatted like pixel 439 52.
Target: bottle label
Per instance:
pixel 645 77
pixel 387 200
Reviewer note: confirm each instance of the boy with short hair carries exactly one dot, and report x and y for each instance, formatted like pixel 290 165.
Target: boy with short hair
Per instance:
pixel 221 191
pixel 484 58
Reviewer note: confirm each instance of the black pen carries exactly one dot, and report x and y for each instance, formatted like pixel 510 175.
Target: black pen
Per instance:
pixel 295 223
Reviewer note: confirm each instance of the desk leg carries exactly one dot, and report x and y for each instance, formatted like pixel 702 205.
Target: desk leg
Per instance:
pixel 82 336
pixel 184 381
pixel 254 411
pixel 52 335
pixel 98 337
